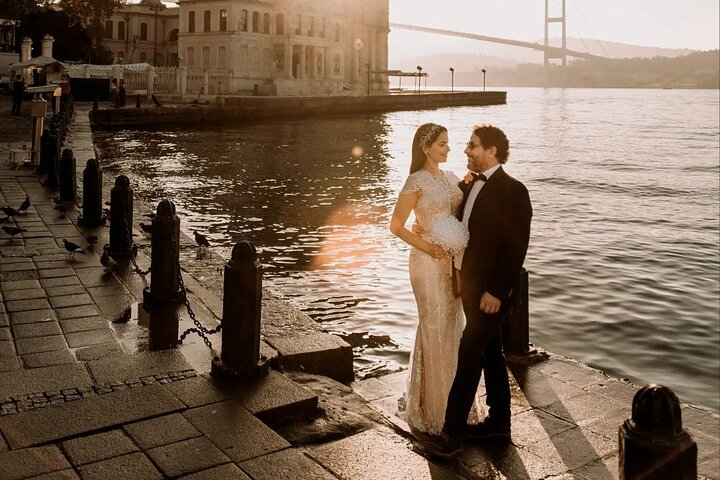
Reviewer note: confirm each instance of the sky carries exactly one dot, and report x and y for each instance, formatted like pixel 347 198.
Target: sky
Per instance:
pixel 690 24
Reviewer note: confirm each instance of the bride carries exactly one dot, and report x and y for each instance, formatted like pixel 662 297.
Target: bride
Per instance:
pixel 435 197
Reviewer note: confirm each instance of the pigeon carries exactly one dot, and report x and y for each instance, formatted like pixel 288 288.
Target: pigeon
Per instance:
pixel 146 228
pixel 201 239
pixel 9 211
pixel 24 205
pixel 106 260
pixel 12 231
pixel 72 248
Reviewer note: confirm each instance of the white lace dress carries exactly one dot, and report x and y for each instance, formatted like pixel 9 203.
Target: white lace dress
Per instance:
pixel 441 319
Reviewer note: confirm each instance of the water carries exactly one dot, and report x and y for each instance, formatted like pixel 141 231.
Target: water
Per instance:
pixel 623 259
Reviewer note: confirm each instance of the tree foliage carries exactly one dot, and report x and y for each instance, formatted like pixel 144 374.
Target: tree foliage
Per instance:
pixel 91 9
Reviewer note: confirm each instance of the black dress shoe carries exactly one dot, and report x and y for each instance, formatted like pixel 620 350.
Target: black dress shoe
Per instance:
pixel 442 446
pixel 488 430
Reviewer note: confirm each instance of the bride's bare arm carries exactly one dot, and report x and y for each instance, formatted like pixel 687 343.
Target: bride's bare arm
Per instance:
pixel 405 204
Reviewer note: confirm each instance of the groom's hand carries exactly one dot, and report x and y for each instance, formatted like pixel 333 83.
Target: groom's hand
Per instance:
pixel 489 304
pixel 417 229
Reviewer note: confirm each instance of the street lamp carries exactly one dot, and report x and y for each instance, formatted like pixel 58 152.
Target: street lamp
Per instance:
pixel 483 70
pixel 419 69
pixel 155 5
pixel 452 79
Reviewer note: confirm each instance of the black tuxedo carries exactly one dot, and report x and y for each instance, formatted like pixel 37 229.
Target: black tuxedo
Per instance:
pixel 499 226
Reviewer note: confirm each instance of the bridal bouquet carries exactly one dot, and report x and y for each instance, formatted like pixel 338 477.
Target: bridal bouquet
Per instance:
pixel 449 233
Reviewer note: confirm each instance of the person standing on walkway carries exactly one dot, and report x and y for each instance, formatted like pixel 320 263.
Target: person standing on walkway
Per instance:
pixel 18 94
pixel 121 93
pixel 496 209
pixel 114 92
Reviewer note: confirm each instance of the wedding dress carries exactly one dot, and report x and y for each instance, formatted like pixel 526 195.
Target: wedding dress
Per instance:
pixel 441 320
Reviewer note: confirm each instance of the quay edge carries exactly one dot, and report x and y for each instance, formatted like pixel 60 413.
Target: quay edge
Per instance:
pixel 244 108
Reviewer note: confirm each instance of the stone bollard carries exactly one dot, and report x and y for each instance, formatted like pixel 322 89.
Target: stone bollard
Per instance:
pixel 121 217
pixel 165 263
pixel 240 357
pixel 653 444
pixel 68 179
pixel 53 152
pixel 92 214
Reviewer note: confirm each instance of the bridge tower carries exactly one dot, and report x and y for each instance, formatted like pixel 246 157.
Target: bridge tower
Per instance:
pixel 548 20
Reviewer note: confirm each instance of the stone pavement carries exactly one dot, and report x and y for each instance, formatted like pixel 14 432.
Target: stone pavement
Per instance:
pixel 81 396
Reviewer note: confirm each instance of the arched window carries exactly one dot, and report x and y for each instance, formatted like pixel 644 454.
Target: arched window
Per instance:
pixel 222 58
pixel 255 22
pixel 280 24
pixel 121 30
pixel 173 35
pixel 191 22
pixel 266 23
pixel 243 21
pixel 206 57
pixel 109 29
pixel 223 20
pixel 143 31
pixel 206 21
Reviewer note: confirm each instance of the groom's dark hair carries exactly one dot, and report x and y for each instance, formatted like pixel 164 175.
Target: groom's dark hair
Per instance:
pixel 425 136
pixel 491 136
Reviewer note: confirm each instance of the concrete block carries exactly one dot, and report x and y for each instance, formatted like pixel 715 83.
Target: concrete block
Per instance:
pixel 187 456
pixel 320 353
pixel 275 398
pixel 290 464
pixel 134 465
pixel 48 343
pixel 47 359
pixel 28 462
pixel 161 431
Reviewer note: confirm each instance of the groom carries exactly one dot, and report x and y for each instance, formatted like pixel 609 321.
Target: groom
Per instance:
pixel 497 211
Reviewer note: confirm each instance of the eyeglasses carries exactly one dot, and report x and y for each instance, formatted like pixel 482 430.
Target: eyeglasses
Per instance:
pixel 471 145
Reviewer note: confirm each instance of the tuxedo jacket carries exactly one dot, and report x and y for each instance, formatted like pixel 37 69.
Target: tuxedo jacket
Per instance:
pixel 499 226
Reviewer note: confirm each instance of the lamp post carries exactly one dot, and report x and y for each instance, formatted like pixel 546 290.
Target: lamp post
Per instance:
pixel 452 79
pixel 155 5
pixel 368 80
pixel 419 69
pixel 483 70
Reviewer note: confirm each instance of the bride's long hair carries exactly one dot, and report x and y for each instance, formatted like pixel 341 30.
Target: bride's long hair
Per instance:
pixel 425 136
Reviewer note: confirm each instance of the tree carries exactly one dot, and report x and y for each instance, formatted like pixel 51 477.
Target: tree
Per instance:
pixel 92 13
pixel 14 9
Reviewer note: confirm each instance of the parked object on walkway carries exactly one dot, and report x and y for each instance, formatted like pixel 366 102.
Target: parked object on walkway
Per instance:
pixel 653 443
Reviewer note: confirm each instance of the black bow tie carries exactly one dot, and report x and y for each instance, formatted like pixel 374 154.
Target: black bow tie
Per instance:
pixel 479 177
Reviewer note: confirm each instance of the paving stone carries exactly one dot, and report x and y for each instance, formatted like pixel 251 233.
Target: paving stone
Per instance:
pixel 134 465
pixel 71 325
pixel 8 364
pixel 290 464
pixel 602 468
pixel 3 445
pixel 28 293
pixel 28 330
pixel 137 366
pixel 574 448
pixel 4 320
pixel 187 456
pixel 59 281
pixel 372 389
pixel 616 390
pixel 86 415
pixel 96 277
pixel 56 272
pixel 229 471
pixel 540 390
pixel 198 391
pixel 7 348
pixel 28 462
pixel 44 380
pixel 161 431
pixel 99 446
pixel 709 468
pixel 46 264
pixel 47 359
pixel 59 475
pixel 65 290
pixel 320 353
pixel 374 454
pixel 48 343
pixel 21 275
pixel 17 266
pixel 108 291
pixel 71 300
pixel 5 333
pixel 536 425
pixel 512 462
pixel 76 312
pixel 116 305
pixel 89 337
pixel 275 398
pixel 30 304
pixel 586 408
pixel 235 431
pixel 96 352
pixel 32 316
pixel 19 285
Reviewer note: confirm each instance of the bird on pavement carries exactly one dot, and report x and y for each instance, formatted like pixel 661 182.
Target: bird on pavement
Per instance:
pixel 12 231
pixel 106 260
pixel 24 205
pixel 72 248
pixel 201 239
pixel 9 211
pixel 146 228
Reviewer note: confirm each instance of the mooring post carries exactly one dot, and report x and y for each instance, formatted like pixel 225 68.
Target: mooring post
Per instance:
pixel 653 443
pixel 121 216
pixel 45 150
pixel 92 214
pixel 68 179
pixel 53 153
pixel 240 357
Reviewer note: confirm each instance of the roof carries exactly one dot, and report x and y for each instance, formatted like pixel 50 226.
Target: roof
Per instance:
pixel 40 61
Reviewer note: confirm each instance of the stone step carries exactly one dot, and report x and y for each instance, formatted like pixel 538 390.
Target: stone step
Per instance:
pixel 320 353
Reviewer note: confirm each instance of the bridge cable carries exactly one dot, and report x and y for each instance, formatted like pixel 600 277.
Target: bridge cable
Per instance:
pixel 599 42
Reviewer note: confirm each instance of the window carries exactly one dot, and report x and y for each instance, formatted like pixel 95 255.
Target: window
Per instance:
pixel 311 27
pixel 222 58
pixel 206 57
pixel 280 24
pixel 243 21
pixel 298 24
pixel 121 30
pixel 255 21
pixel 190 57
pixel 109 29
pixel 191 22
pixel 143 31
pixel 173 35
pixel 266 23
pixel 322 28
pixel 206 21
pixel 336 65
pixel 143 57
pixel 223 20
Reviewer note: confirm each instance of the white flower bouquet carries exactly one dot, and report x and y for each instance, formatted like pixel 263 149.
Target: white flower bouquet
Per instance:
pixel 449 233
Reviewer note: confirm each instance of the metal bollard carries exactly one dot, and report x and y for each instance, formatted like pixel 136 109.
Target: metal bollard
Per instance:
pixel 121 216
pixel 68 179
pixel 653 444
pixel 92 214
pixel 240 357
pixel 53 154
pixel 165 261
